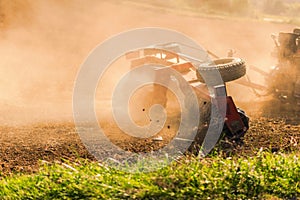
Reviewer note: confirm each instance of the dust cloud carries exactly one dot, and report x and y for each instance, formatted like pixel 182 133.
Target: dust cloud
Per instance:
pixel 43 43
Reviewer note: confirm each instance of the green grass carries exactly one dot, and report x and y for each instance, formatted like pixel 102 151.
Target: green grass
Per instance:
pixel 263 176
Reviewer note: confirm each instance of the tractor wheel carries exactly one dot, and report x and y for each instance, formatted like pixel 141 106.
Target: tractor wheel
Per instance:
pixel 229 68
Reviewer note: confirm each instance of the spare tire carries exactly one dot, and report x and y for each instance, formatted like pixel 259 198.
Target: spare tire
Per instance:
pixel 229 68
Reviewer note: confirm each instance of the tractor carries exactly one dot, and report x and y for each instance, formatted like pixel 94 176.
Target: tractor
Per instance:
pixel 282 83
pixel 284 79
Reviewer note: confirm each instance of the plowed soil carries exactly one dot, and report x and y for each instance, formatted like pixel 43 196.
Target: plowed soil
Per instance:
pixel 22 147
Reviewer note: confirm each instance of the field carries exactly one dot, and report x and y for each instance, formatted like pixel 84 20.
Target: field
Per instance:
pixel 41 154
pixel 22 147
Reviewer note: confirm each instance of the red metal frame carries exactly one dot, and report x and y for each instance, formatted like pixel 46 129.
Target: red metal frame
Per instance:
pixel 233 119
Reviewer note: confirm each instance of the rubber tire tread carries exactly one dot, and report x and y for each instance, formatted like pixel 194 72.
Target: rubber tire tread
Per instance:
pixel 229 68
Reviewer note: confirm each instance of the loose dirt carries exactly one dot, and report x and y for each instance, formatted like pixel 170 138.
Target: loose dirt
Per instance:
pixel 24 147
